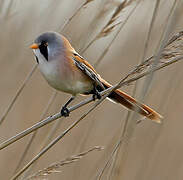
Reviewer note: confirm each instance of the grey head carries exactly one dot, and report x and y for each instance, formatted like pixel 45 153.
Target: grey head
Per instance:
pixel 50 45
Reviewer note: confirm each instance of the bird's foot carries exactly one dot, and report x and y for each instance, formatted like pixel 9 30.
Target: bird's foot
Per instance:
pixel 64 111
pixel 96 96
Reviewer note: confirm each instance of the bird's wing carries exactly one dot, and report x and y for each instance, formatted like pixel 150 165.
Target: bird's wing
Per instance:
pixel 86 68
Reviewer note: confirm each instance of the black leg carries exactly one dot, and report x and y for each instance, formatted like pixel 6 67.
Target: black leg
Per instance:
pixel 96 94
pixel 64 111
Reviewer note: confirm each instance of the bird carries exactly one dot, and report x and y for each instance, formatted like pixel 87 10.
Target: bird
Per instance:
pixel 66 70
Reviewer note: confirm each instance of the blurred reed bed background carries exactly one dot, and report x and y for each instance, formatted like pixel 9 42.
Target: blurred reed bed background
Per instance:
pixel 114 36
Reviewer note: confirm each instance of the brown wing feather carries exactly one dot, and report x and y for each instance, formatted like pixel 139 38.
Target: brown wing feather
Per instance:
pixel 87 69
pixel 82 60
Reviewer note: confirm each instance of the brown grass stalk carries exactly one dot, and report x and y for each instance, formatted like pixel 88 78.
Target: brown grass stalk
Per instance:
pixel 110 25
pixel 98 61
pixel 60 29
pixel 87 1
pixel 17 94
pixel 47 107
pixel 55 167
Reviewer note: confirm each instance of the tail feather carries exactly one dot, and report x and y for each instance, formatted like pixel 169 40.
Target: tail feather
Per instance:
pixel 131 103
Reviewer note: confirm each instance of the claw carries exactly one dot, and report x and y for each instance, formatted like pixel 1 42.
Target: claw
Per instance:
pixel 64 112
pixel 96 96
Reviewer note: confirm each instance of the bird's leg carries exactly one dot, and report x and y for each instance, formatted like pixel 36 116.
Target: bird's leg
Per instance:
pixel 96 94
pixel 64 111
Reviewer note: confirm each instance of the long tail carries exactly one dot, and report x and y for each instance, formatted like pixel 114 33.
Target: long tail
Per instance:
pixel 131 103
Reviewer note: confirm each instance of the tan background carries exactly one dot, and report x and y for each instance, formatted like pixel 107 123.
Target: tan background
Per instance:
pixel 154 152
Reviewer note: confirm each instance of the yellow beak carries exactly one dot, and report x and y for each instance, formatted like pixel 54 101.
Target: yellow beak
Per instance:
pixel 34 46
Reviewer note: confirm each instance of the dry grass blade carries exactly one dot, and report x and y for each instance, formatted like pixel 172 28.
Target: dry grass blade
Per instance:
pixel 9 8
pixel 99 176
pixel 56 166
pixel 116 35
pixel 18 93
pixel 150 28
pixel 35 132
pixel 173 48
pixel 73 15
pixel 109 27
pixel 175 37
pixel 164 64
pixel 161 47
pixel 107 31
pixel 87 1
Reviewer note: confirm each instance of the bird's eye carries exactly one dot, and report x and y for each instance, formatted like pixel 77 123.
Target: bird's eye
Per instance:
pixel 43 47
pixel 45 44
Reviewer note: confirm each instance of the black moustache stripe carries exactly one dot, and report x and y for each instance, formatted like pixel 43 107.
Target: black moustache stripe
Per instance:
pixel 44 50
